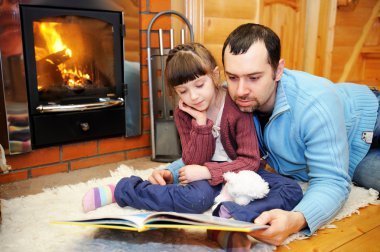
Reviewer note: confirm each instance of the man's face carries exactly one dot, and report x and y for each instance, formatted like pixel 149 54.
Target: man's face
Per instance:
pixel 251 80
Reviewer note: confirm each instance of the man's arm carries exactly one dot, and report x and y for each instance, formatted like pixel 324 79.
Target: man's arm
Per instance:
pixel 320 132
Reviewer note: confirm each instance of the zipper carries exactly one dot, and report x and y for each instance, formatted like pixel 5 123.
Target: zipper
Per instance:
pixel 265 136
pixel 263 151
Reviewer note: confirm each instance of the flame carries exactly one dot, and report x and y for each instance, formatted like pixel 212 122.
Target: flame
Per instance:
pixel 75 78
pixel 51 36
pixel 54 43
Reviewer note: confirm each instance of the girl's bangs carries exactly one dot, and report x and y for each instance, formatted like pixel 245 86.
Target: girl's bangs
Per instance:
pixel 184 68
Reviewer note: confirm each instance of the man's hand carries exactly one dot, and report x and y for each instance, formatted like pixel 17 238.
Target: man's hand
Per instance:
pixel 161 177
pixel 282 224
pixel 191 173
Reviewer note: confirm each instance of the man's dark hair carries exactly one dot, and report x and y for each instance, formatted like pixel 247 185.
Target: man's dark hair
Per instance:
pixel 241 39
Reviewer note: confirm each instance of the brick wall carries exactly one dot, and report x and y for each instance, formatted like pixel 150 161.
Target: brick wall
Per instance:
pixel 66 158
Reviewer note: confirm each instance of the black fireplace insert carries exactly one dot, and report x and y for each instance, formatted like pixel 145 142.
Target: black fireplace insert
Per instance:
pixel 74 61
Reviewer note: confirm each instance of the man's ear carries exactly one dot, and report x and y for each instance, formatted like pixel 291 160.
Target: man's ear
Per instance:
pixel 280 70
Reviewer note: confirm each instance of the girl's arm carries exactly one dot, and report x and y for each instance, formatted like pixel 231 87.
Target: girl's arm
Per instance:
pixel 240 142
pixel 197 141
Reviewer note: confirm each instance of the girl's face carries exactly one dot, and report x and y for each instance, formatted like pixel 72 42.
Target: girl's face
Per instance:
pixel 198 94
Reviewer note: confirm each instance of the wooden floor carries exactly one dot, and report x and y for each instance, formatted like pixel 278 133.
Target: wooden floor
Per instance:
pixel 356 233
pixel 359 233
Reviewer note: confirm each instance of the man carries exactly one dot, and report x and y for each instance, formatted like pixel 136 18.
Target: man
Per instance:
pixel 313 130
pixel 309 129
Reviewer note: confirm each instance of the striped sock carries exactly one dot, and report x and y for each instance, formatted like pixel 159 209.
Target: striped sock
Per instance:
pixel 98 197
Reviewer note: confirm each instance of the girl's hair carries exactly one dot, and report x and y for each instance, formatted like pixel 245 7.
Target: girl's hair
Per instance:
pixel 187 62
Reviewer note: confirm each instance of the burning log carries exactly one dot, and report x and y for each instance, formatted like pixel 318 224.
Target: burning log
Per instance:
pixel 48 73
pixel 56 58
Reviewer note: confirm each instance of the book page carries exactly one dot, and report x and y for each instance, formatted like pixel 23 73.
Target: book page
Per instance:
pixel 198 219
pixel 150 220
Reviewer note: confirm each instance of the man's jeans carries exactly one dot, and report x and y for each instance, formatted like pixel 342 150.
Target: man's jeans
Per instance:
pixel 367 173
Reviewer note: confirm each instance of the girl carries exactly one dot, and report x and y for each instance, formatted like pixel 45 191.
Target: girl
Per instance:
pixel 216 137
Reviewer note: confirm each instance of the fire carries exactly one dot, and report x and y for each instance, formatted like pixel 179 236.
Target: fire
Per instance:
pixel 57 53
pixel 75 78
pixel 52 38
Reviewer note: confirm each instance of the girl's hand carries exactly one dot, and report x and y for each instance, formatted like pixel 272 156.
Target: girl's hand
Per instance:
pixel 191 173
pixel 161 177
pixel 199 116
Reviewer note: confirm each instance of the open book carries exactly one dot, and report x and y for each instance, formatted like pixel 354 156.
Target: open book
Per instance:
pixel 153 220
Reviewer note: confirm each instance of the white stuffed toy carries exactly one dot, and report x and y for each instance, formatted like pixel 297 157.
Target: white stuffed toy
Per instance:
pixel 242 187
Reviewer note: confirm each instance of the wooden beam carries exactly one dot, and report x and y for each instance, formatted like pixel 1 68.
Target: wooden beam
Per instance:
pixel 195 14
pixel 332 6
pixel 311 34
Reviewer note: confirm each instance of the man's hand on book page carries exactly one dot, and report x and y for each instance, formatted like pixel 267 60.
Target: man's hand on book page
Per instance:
pixel 191 173
pixel 282 224
pixel 161 177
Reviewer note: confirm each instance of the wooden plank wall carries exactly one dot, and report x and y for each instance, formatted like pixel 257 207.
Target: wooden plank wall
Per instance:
pixel 350 24
pixel 318 36
pixel 223 16
pixel 220 17
pixel 290 27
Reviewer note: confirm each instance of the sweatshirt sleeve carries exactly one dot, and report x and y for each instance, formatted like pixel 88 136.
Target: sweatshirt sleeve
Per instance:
pixel 174 168
pixel 240 143
pixel 198 143
pixel 322 131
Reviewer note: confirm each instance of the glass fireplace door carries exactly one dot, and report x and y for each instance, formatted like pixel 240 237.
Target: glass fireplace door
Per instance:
pixel 73 59
pixel 71 63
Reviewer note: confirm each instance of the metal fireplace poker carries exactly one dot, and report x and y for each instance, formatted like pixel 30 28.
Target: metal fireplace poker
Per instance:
pixel 165 141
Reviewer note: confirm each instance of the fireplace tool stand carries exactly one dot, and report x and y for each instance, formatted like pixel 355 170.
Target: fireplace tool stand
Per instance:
pixel 166 146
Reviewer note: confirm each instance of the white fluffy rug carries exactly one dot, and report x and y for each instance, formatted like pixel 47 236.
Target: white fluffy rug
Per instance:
pixel 26 225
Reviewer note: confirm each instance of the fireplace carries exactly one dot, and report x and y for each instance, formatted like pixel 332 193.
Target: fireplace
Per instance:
pixel 73 66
